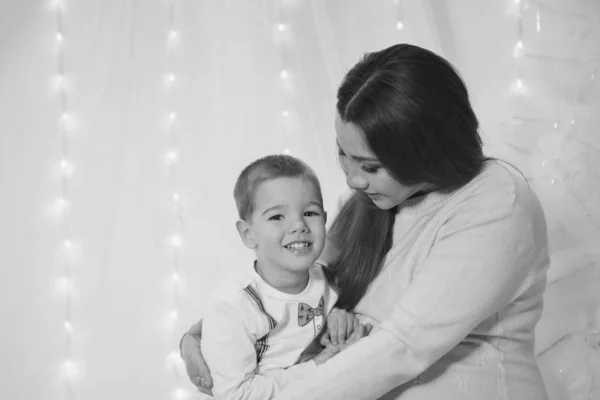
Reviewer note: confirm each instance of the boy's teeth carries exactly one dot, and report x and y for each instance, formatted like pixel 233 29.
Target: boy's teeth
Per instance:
pixel 297 245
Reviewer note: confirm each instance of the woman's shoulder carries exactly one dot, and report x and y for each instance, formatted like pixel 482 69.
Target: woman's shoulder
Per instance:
pixel 500 187
pixel 498 181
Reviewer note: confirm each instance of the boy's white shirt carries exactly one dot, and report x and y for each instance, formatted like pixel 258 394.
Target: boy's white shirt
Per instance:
pixel 238 319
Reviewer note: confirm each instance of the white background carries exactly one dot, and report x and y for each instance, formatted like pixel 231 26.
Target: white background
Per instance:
pixel 118 176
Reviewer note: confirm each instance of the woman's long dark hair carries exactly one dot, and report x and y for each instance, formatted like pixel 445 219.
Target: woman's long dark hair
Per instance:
pixel 414 111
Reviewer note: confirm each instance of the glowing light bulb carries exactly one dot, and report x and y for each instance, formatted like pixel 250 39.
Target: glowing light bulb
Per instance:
pixel 538 26
pixel 62 203
pixel 175 197
pixel 59 82
pixel 175 276
pixel 65 285
pixel 285 113
pixel 555 124
pixel 572 122
pixel 399 26
pixel 68 327
pixel 174 314
pixel 280 27
pixel 172 360
pixel 286 151
pixel 68 244
pixel 176 241
pixel 58 4
pixel 519 87
pixel 171 157
pixel 284 74
pixel 69 370
pixel 59 37
pixel 180 394
pixel 518 50
pixel 173 35
pixel 65 117
pixel 172 116
pixel 66 167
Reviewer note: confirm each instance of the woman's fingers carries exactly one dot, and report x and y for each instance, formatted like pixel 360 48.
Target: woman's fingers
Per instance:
pixel 196 329
pixel 342 326
pixel 195 365
pixel 325 340
pixel 353 325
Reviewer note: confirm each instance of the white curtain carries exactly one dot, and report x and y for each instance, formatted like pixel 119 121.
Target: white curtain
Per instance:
pixel 124 123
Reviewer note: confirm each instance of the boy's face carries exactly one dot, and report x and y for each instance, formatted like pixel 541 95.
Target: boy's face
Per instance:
pixel 287 227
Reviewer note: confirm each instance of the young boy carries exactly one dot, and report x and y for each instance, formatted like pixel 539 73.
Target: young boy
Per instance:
pixel 256 331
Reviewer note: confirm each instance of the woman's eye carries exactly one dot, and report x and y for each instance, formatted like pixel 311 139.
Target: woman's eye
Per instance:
pixel 277 217
pixel 370 169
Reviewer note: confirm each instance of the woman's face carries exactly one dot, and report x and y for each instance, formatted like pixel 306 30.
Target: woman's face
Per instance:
pixel 364 171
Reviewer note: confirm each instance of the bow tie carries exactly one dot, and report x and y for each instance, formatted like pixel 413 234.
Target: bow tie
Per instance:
pixel 306 313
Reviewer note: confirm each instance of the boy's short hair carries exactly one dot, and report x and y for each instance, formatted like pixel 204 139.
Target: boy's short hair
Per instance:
pixel 266 169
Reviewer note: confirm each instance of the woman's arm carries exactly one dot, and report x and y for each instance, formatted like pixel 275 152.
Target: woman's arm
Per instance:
pixel 191 353
pixel 476 268
pixel 228 346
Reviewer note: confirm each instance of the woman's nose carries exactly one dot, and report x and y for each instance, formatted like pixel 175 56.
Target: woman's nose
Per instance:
pixel 355 181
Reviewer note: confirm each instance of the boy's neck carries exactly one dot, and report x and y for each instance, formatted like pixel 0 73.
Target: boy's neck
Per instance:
pixel 282 280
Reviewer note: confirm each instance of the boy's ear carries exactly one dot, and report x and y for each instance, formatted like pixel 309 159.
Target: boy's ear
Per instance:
pixel 245 231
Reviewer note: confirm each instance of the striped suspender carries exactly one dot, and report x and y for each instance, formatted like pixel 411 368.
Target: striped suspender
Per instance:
pixel 261 344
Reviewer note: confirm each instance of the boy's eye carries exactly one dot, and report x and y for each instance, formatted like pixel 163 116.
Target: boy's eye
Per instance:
pixel 311 213
pixel 276 217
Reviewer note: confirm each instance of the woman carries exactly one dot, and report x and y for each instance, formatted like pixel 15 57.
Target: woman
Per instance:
pixel 443 249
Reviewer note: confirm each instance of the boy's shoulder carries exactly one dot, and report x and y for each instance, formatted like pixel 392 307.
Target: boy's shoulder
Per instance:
pixel 234 292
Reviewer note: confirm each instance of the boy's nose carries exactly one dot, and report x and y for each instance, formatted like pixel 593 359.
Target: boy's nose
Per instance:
pixel 298 226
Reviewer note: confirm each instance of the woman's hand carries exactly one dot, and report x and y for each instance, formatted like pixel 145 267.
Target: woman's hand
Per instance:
pixel 327 353
pixel 195 365
pixel 340 325
pixel 359 332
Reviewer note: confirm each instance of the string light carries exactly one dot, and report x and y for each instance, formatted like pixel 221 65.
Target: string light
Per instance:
pixel 518 86
pixel 283 40
pixel 518 51
pixel 399 15
pixel 171 157
pixel 181 394
pixel 175 241
pixel 69 368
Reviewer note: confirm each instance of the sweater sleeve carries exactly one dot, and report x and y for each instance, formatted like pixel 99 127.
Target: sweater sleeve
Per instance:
pixel 476 267
pixel 228 346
